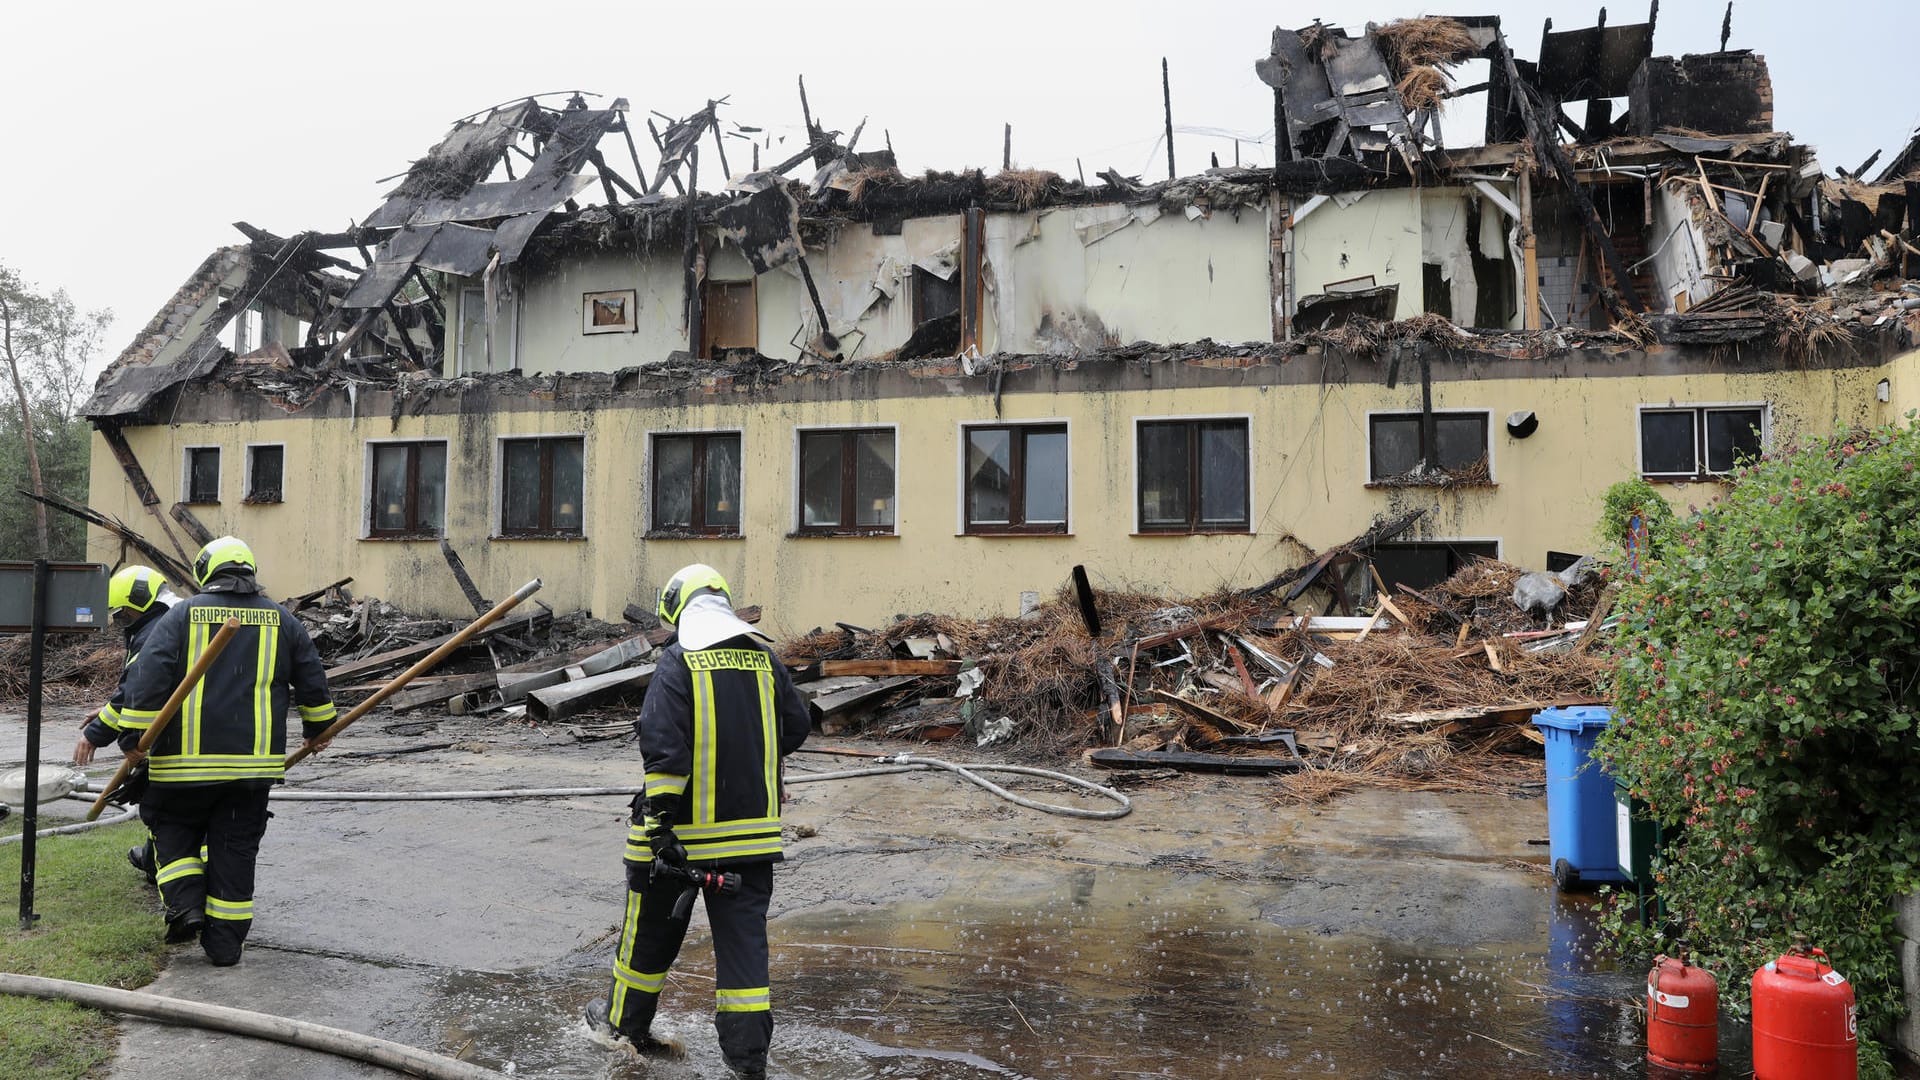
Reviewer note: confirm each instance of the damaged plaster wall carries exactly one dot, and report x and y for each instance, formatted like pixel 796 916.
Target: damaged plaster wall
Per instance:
pixel 1373 233
pixel 1069 280
pixel 1309 478
pixel 551 337
pixel 1681 266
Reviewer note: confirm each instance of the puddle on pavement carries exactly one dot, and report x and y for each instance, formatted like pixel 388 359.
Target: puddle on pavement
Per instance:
pixel 1106 979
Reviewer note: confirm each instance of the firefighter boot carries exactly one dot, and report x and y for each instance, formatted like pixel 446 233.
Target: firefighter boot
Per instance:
pixel 603 1033
pixel 141 859
pixel 184 926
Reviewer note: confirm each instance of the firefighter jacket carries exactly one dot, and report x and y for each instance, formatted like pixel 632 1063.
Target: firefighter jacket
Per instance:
pixel 713 728
pixel 233 725
pixel 105 727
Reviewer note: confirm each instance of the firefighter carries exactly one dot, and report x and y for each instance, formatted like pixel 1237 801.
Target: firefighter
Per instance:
pixel 136 596
pixel 211 769
pixel 719 715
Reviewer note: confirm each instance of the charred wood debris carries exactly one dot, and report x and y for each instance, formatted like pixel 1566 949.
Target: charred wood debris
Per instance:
pixel 1414 688
pixel 1798 261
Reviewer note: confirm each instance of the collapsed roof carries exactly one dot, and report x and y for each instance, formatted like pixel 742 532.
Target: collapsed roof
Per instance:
pixel 528 181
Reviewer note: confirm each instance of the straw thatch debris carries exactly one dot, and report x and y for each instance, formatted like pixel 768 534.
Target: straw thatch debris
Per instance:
pixel 75 670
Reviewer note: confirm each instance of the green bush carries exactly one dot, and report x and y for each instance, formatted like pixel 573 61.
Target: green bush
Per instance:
pixel 1627 498
pixel 1768 684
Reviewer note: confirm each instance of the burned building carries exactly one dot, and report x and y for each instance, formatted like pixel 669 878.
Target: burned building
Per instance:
pixel 859 392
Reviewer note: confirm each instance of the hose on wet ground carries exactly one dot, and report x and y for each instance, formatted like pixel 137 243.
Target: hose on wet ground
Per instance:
pixel 350 1044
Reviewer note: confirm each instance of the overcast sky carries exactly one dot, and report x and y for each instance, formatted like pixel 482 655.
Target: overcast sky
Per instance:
pixel 139 132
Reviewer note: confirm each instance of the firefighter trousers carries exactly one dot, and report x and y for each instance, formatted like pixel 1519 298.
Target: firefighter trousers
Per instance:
pixel 206 839
pixel 650 940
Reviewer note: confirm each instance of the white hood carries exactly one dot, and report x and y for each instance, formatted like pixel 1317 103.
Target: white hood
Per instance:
pixel 709 620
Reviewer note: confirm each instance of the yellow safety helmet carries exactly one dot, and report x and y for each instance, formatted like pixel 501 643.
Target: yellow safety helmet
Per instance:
pixel 691 581
pixel 134 588
pixel 219 555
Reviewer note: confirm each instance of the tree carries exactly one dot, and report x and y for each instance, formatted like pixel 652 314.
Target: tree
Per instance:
pixel 47 342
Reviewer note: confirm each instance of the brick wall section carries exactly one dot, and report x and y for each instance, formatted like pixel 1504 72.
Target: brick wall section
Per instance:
pixel 1727 93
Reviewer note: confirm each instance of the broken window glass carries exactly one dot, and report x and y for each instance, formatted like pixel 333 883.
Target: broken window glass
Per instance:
pixel 1462 439
pixel 409 496
pixel 990 476
pixel 265 465
pixel 203 474
pixel 1017 478
pixel 1733 436
pixel 543 486
pixel 1223 475
pixel 1398 447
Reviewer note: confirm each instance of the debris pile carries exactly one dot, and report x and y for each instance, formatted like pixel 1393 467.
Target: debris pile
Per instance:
pixel 77 668
pixel 1433 689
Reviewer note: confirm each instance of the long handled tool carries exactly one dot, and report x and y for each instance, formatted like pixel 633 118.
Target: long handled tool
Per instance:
pixel 426 664
pixel 166 713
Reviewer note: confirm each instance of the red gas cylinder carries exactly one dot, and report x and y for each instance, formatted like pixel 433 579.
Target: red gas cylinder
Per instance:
pixel 1804 1027
pixel 1683 1016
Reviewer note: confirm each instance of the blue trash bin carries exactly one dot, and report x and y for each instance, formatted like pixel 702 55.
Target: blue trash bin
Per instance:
pixel 1582 834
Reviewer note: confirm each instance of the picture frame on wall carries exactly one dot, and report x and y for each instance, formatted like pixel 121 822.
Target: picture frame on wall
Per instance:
pixel 608 312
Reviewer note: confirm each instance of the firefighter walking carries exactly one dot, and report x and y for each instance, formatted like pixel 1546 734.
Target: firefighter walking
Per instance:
pixel 719 715
pixel 211 769
pixel 137 596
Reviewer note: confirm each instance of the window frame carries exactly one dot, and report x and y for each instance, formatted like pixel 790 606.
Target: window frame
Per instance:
pixel 921 284
pixel 1498 544
pixel 657 531
pixel 545 531
pixel 186 473
pixel 368 530
pixel 1017 490
pixel 707 287
pixel 1194 526
pixel 246 475
pixel 1701 454
pixel 1486 429
pixel 848 482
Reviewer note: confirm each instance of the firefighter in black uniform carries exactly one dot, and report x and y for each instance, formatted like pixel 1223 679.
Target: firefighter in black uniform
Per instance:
pixel 137 596
pixel 719 715
pixel 211 769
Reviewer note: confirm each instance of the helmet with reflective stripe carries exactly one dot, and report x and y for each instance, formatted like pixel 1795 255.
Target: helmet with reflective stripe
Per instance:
pixel 221 554
pixel 691 581
pixel 134 588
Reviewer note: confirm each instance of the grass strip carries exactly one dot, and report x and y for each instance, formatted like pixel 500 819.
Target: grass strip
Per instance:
pixel 98 923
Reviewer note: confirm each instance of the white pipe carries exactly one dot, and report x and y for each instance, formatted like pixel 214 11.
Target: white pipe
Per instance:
pixel 348 1044
pixel 1500 200
pixel 126 815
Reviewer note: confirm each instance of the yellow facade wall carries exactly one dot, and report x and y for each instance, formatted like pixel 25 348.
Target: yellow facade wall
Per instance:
pixel 1309 462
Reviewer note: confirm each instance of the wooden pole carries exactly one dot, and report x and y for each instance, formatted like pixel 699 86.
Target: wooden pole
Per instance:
pixel 426 664
pixel 1166 98
pixel 1006 150
pixel 1529 255
pixel 165 717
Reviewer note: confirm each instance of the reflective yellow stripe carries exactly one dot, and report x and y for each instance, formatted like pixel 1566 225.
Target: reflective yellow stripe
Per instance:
pixel 319 714
pixel 234 910
pixel 130 661
pixel 180 868
pixel 659 783
pixel 704 760
pixel 758 999
pixel 769 845
pixel 133 719
pixel 190 712
pixel 638 980
pixel 721 829
pixel 207 767
pixel 769 740
pixel 110 716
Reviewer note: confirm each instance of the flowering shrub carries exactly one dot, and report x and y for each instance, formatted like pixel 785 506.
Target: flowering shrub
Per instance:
pixel 1767 682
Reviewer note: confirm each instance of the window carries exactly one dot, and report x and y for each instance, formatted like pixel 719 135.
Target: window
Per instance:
pixel 728 317
pixel 1017 479
pixel 846 481
pixel 409 489
pixel 1418 565
pixel 696 484
pixel 1397 445
pixel 266 464
pixel 203 474
pixel 1193 476
pixel 1701 442
pixel 542 486
pixel 934 297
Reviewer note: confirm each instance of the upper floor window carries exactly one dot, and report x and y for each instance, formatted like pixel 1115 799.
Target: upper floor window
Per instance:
pixel 1699 442
pixel 696 483
pixel 266 469
pixel 1400 447
pixel 729 317
pixel 1193 476
pixel 203 474
pixel 847 481
pixel 542 486
pixel 408 495
pixel 1017 478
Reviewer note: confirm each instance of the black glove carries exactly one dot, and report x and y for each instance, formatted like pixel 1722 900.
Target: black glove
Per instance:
pixel 665 845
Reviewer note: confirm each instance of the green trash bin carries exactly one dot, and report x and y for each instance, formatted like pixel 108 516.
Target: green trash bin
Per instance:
pixel 1640 839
